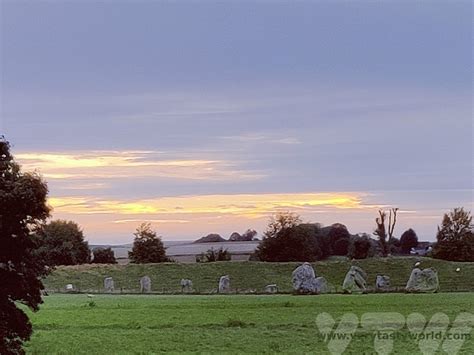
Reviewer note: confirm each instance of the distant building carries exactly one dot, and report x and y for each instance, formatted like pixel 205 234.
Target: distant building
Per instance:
pixel 423 249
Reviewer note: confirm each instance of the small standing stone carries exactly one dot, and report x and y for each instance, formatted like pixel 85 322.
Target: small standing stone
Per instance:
pixel 109 284
pixel 382 283
pixel 186 285
pixel 145 284
pixel 271 288
pixel 224 284
pixel 355 280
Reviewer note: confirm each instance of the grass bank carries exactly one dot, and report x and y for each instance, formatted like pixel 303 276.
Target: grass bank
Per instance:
pixel 252 276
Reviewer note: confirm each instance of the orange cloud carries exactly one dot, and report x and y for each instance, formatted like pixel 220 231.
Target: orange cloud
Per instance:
pixel 249 205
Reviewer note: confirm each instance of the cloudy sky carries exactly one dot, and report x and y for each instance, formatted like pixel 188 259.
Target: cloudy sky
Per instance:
pixel 208 117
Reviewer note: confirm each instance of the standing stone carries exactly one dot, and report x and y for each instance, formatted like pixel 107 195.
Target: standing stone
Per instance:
pixel 355 280
pixel 109 284
pixel 321 285
pixel 145 284
pixel 271 288
pixel 382 283
pixel 186 285
pixel 305 281
pixel 423 281
pixel 224 284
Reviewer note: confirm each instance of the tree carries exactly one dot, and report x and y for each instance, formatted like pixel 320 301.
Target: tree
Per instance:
pixel 455 238
pixel 381 231
pixel 360 247
pixel 408 240
pixel 104 256
pixel 297 243
pixel 147 247
pixel 339 238
pixel 22 210
pixel 214 255
pixel 62 243
pixel 281 221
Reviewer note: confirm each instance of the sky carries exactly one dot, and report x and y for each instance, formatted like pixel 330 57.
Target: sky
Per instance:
pixel 209 117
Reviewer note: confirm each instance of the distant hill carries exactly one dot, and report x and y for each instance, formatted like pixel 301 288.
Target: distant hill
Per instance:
pixel 211 238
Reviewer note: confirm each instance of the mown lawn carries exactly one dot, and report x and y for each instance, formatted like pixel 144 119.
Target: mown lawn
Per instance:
pixel 123 324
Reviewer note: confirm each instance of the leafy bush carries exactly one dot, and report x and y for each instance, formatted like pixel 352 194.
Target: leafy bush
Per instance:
pixel 408 240
pixel 104 256
pixel 339 239
pixel 360 247
pixel 298 243
pixel 214 255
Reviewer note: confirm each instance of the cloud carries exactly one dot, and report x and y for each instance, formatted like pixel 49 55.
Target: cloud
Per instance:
pixel 87 165
pixel 262 138
pixel 248 205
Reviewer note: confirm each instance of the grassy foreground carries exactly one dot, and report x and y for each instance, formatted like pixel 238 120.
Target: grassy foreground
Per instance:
pixel 123 324
pixel 252 276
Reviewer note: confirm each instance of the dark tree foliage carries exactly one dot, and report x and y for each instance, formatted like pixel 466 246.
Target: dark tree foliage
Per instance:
pixel 321 236
pixel 104 256
pixel 408 240
pixel 339 239
pixel 297 243
pixel 360 247
pixel 281 221
pixel 341 246
pixel 213 255
pixel 22 209
pixel 62 243
pixel 455 238
pixel 147 247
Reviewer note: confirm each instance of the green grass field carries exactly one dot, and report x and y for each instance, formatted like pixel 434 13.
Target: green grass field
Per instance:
pixel 252 276
pixel 122 324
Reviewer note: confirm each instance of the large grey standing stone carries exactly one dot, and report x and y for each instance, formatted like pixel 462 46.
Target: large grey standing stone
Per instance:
pixel 271 288
pixel 145 284
pixel 355 280
pixel 382 283
pixel 423 281
pixel 109 284
pixel 305 281
pixel 224 284
pixel 186 285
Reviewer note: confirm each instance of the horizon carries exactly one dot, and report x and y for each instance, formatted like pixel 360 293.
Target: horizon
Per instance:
pixel 209 118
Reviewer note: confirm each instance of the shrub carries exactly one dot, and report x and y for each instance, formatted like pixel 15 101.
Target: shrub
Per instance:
pixel 339 239
pixel 298 243
pixel 214 255
pixel 104 256
pixel 408 240
pixel 360 247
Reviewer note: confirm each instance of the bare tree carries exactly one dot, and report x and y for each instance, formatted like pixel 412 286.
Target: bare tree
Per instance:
pixel 381 231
